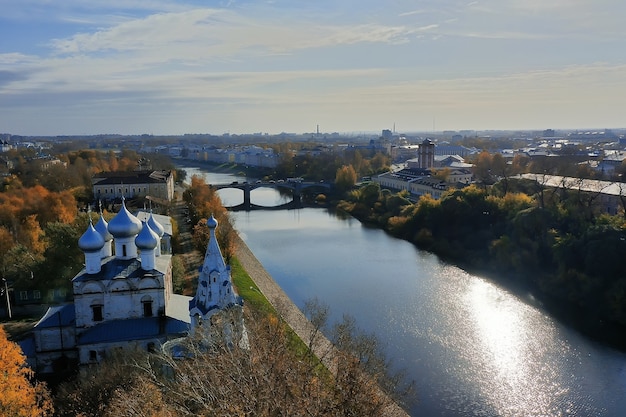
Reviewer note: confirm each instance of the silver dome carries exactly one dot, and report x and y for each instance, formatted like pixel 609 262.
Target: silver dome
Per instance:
pixel 91 240
pixel 147 238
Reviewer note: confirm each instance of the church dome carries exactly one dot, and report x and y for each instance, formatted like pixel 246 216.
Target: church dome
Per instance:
pixel 102 228
pixel 124 224
pixel 91 240
pixel 156 226
pixel 211 222
pixel 146 239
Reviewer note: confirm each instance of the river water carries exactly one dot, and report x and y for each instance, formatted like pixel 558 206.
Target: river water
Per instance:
pixel 472 348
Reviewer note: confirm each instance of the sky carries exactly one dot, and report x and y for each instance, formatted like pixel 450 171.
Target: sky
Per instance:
pixel 166 67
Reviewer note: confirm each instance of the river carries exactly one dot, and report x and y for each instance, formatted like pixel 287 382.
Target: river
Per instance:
pixel 472 347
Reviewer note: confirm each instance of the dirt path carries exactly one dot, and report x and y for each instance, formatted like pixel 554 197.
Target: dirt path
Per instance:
pixel 192 258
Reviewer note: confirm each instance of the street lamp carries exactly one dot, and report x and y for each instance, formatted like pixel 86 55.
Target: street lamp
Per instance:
pixel 6 292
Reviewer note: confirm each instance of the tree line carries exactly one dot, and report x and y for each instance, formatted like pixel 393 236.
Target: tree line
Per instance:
pixel 274 375
pixel 552 241
pixel 40 220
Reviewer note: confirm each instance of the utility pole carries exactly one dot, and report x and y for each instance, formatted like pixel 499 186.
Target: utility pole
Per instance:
pixel 6 293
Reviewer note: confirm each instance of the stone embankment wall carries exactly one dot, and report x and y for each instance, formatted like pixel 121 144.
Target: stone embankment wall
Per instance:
pixel 292 315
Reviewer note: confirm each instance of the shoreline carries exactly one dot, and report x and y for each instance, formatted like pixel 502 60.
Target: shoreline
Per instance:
pixel 291 314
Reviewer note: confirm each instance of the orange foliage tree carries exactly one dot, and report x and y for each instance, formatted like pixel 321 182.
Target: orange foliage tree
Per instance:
pixel 19 395
pixel 203 201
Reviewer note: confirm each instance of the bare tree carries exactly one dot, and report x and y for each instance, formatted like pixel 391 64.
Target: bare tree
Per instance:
pixel 267 376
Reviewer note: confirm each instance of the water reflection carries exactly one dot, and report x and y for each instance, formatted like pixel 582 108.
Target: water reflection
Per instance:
pixel 473 348
pixel 500 326
pixel 516 359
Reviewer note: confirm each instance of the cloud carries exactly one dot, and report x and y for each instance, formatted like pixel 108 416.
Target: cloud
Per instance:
pixel 155 31
pixel 136 57
pixel 413 12
pixel 7 77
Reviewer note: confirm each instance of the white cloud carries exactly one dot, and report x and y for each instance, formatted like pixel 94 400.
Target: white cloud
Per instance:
pixel 265 66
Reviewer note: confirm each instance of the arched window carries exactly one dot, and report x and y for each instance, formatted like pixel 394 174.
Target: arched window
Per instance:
pixel 147 308
pixel 96 311
pixel 146 301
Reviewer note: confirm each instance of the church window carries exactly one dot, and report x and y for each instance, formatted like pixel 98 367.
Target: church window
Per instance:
pixel 93 355
pixel 147 308
pixel 124 250
pixel 97 312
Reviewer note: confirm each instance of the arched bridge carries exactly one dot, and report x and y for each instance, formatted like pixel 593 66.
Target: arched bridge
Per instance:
pixel 296 186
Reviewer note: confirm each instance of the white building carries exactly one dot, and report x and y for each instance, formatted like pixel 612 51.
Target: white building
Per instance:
pixel 215 292
pixel 115 185
pixel 417 182
pixel 124 299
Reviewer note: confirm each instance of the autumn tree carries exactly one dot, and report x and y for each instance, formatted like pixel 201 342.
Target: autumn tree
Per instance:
pixel 203 202
pixel 265 377
pixel 20 394
pixel 31 235
pixel 345 178
pixel 442 174
pixel 483 169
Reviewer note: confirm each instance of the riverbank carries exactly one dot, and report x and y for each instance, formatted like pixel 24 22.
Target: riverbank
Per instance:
pixel 292 315
pixel 572 295
pixel 322 348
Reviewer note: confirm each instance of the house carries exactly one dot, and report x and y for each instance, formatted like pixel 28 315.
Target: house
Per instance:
pixel 417 182
pixel 136 184
pixel 608 196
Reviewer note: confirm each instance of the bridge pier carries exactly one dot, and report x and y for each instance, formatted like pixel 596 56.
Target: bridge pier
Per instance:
pixel 246 197
pixel 296 186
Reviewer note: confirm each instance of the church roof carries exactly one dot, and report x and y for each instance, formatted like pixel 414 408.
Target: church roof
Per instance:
pixel 91 240
pixel 156 226
pixel 213 256
pixel 102 228
pixel 208 297
pixel 193 303
pixel 147 238
pixel 163 221
pixel 124 224
pixel 128 268
pixel 58 316
pixel 132 329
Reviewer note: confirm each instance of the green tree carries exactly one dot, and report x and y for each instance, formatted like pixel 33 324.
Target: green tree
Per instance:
pixel 63 258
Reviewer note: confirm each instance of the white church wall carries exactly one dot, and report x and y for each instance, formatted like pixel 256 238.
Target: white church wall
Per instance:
pixel 54 338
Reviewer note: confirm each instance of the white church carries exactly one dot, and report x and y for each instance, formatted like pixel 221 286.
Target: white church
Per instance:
pixel 123 298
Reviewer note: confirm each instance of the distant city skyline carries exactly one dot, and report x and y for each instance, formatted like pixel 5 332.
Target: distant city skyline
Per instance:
pixel 82 67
